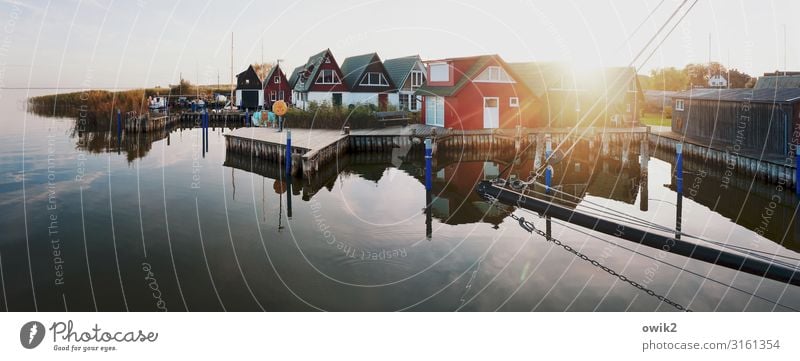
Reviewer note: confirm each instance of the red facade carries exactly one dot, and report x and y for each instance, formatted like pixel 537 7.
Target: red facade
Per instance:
pixel 327 62
pixel 276 87
pixel 469 100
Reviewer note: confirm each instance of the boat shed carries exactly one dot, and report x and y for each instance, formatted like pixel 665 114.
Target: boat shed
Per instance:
pixel 760 123
pixel 249 90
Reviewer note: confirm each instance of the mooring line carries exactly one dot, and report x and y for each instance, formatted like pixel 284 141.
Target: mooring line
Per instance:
pixel 531 228
pixel 677 267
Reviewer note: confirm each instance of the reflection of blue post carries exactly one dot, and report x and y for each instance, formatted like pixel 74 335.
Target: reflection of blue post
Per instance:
pixel 288 198
pixel 206 132
pixel 548 178
pixel 119 122
pixel 288 155
pixel 797 171
pixel 679 167
pixel 428 161
pixel 247 117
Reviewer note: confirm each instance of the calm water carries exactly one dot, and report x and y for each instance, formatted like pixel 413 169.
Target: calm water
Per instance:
pixel 151 224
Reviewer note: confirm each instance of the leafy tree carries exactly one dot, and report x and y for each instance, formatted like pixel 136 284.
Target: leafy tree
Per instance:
pixel 739 79
pixel 667 79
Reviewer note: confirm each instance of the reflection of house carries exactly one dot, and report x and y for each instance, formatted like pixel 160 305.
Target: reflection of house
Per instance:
pixel 320 81
pixel 276 87
pixel 609 96
pixel 249 93
pixel 478 92
pixel 755 119
pixel 368 82
pixel 408 74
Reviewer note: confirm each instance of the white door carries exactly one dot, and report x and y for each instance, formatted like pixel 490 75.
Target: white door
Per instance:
pixel 434 111
pixel 491 112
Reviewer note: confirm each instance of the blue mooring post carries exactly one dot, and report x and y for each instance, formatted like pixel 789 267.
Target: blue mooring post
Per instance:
pixel 119 122
pixel 247 117
pixel 288 155
pixel 428 163
pixel 205 114
pixel 797 171
pixel 548 178
pixel 548 150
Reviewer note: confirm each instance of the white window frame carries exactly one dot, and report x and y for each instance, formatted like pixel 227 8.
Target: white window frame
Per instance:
pixel 495 73
pixel 513 102
pixel 281 95
pixel 272 95
pixel 334 77
pixel 417 79
pixel 367 81
pixel 247 81
pixel 435 103
pixel 628 108
pixel 446 73
pixel 679 104
pixel 277 79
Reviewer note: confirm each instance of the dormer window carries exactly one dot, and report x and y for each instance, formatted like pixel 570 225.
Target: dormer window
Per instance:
pixel 374 79
pixel 277 80
pixel 494 74
pixel 328 76
pixel 440 72
pixel 416 79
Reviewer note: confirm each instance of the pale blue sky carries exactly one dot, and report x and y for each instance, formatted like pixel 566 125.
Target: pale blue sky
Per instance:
pixel 105 43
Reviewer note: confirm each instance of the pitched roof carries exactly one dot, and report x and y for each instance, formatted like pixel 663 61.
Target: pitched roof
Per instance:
pixel 480 62
pixel 542 77
pixel 354 66
pixel 314 63
pixel 784 95
pixel 779 81
pixel 271 72
pixel 295 75
pixel 400 68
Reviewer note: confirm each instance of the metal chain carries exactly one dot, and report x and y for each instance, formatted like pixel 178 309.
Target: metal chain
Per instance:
pixel 531 228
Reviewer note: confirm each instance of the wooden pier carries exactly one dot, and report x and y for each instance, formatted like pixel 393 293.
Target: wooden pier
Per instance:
pixel 312 148
pixel 142 123
pixel 722 159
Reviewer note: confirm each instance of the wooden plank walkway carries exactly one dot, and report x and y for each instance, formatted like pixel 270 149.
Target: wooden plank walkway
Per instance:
pixel 312 148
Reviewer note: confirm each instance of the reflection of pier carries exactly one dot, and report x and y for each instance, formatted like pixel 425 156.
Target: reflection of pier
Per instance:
pixel 322 146
pixel 740 198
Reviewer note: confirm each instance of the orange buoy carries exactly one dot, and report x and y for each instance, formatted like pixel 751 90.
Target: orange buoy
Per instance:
pixel 279 108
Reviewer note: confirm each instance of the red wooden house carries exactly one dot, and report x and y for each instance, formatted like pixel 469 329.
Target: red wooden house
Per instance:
pixel 478 92
pixel 320 80
pixel 276 87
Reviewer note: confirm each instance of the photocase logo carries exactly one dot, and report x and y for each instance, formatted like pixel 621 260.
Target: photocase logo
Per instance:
pixel 31 334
